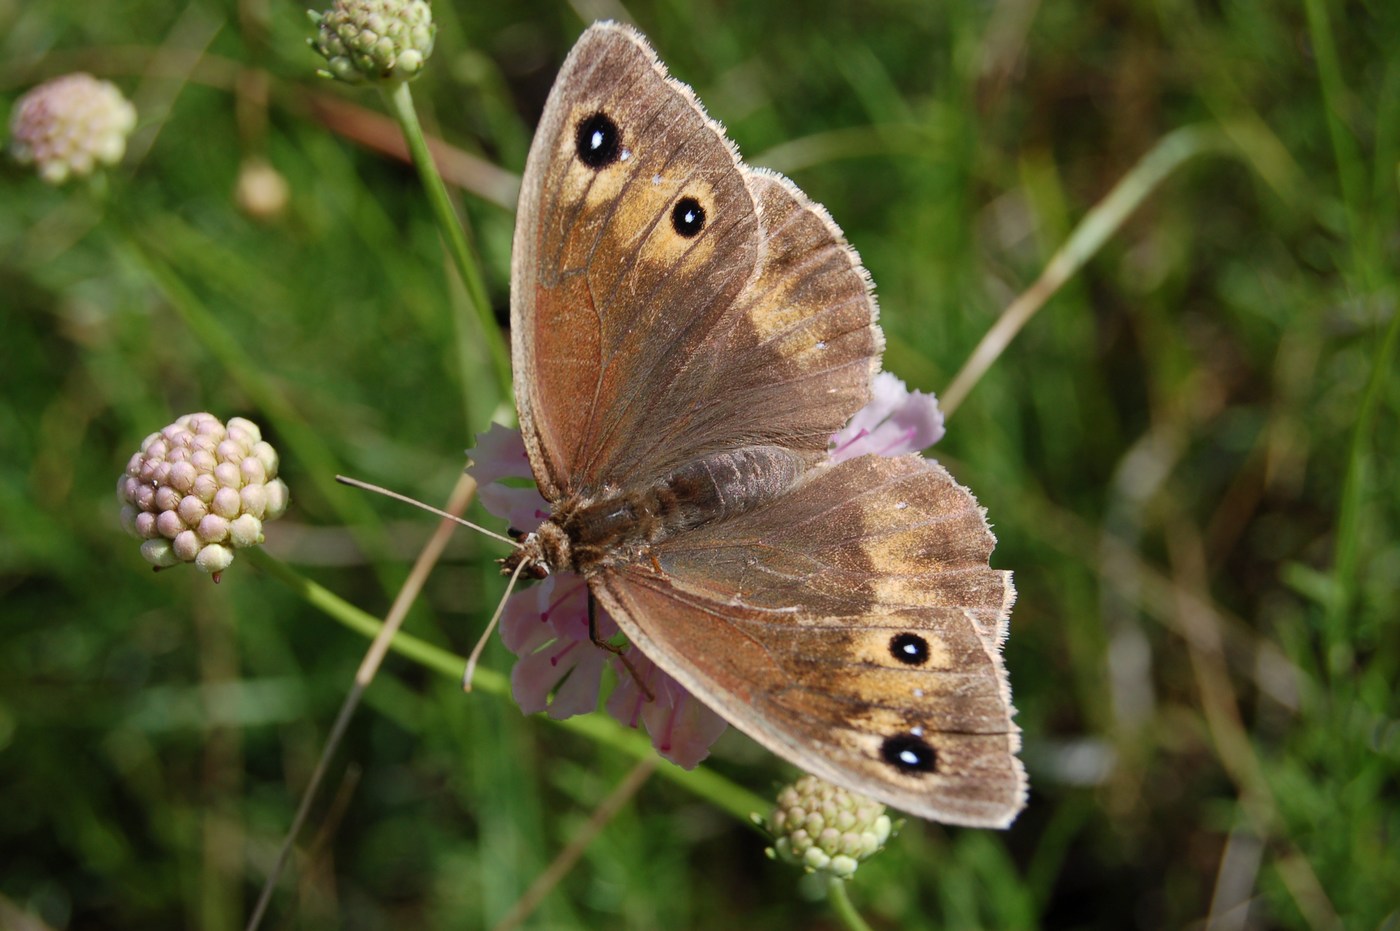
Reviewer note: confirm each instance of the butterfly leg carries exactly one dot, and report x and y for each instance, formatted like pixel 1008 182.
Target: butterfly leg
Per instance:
pixel 619 652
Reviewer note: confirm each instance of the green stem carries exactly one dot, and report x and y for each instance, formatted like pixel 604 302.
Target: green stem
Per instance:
pixel 1351 512
pixel 1102 221
pixel 841 902
pixel 1329 76
pixel 704 783
pixel 295 433
pixel 400 101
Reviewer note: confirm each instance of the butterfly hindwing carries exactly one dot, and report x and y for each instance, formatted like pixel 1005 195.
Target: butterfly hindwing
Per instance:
pixel 850 626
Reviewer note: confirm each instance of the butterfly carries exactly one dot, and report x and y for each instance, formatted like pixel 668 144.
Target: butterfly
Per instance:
pixel 687 334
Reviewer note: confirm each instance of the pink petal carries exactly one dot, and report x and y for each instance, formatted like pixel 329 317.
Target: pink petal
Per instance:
pixel 499 453
pixel 547 627
pixel 521 508
pixel 895 422
pixel 572 670
pixel 525 623
pixel 579 692
pixel 570 617
pixel 682 729
pixel 532 678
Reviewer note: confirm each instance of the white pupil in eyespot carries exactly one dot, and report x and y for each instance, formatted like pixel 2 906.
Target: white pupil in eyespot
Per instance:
pixel 596 141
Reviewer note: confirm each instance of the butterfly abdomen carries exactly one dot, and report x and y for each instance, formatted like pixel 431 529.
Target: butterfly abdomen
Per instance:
pixel 617 527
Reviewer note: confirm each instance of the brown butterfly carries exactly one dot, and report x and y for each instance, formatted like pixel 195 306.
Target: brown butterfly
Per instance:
pixel 687 334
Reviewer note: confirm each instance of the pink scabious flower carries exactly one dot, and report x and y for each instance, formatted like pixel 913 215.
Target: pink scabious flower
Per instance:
pixel 70 125
pixel 559 670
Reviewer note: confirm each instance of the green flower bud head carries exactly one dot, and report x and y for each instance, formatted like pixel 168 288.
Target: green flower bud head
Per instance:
pixel 374 40
pixel 199 491
pixel 70 125
pixel 822 827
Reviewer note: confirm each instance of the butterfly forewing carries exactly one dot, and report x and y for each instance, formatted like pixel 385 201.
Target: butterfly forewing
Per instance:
pixel 640 348
pixel 602 283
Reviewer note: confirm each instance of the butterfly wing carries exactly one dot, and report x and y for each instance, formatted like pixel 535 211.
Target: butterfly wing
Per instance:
pixel 667 301
pixel 853 627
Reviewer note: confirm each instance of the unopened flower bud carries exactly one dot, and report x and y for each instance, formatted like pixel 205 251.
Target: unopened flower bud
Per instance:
pixel 245 530
pixel 374 40
pixel 261 192
pixel 214 558
pixel 254 498
pixel 159 553
pixel 823 827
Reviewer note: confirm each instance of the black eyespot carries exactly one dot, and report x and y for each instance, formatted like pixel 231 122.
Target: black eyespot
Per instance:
pixel 910 649
pixel 688 217
pixel 598 141
pixel 908 753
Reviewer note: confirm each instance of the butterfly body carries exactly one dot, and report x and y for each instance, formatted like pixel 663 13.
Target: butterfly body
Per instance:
pixel 590 531
pixel 687 335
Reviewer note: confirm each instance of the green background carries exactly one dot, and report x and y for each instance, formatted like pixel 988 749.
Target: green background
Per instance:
pixel 1189 457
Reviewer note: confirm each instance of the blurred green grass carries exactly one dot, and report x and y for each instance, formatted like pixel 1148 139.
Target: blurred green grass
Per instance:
pixel 1189 457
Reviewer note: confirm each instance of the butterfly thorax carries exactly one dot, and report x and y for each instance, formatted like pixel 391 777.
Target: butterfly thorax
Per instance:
pixel 615 525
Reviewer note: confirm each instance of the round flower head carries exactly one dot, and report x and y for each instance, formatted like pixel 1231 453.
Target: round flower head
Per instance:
pixel 825 828
pixel 68 126
pixel 198 491
pixel 374 40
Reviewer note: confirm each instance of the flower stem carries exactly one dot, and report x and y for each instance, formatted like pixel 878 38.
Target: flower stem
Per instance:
pixel 408 593
pixel 841 901
pixel 704 783
pixel 1102 221
pixel 568 858
pixel 400 101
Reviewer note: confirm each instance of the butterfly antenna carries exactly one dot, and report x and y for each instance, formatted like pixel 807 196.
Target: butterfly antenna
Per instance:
pixel 381 490
pixel 486 634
